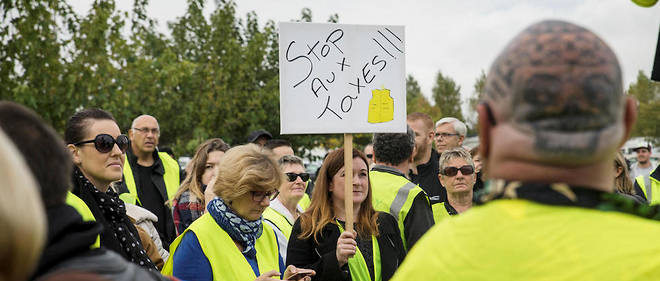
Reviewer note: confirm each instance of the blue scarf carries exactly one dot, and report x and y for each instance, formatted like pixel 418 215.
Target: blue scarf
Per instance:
pixel 243 231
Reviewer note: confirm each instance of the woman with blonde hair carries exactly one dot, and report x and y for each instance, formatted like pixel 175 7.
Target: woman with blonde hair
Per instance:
pixel 188 203
pixel 21 215
pixel 622 183
pixel 319 241
pixel 230 242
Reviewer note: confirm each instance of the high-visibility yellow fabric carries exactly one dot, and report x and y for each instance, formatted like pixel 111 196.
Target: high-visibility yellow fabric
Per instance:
pixel 304 202
pixel 523 240
pixel 170 177
pixel 655 188
pixel 84 211
pixel 358 265
pixel 227 262
pixel 279 220
pixel 439 212
pixel 395 195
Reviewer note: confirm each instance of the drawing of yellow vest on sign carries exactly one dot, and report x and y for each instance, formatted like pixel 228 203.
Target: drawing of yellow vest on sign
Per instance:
pixel 381 106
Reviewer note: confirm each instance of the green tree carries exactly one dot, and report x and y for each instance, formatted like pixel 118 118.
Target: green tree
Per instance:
pixel 447 96
pixel 647 93
pixel 417 102
pixel 477 94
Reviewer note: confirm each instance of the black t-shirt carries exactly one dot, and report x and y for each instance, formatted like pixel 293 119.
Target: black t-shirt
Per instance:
pixel 427 179
pixel 151 199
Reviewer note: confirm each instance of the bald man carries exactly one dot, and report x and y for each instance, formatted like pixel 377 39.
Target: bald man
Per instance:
pixel 552 118
pixel 151 178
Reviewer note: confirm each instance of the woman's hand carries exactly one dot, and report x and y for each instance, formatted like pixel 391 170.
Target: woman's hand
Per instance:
pixel 346 247
pixel 293 273
pixel 269 276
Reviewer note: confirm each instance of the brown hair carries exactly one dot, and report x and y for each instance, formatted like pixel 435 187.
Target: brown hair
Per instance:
pixel 428 122
pixel 193 180
pixel 321 211
pixel 622 183
pixel 246 168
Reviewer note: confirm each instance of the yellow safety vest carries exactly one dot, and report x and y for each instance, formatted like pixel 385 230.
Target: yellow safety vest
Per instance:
pixel 395 195
pixel 227 262
pixel 655 188
pixel 357 265
pixel 305 202
pixel 84 211
pixel 523 240
pixel 170 177
pixel 279 220
pixel 439 212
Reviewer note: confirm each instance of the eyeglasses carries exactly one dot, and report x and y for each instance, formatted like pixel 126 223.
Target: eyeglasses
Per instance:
pixel 104 143
pixel 293 176
pixel 369 156
pixel 145 130
pixel 258 196
pixel 452 171
pixel 444 135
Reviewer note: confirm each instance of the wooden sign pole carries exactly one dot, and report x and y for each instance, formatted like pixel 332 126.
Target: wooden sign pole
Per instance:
pixel 348 181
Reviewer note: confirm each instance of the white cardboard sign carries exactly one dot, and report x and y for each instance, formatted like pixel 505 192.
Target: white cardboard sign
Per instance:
pixel 339 78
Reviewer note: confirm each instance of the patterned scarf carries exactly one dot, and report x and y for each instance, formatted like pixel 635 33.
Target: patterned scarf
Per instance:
pixel 241 230
pixel 114 212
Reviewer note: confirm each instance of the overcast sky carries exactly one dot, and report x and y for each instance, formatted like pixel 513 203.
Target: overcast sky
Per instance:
pixel 459 38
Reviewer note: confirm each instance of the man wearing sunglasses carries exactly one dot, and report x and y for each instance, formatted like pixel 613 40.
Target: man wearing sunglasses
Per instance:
pixel 458 177
pixel 551 120
pixel 151 178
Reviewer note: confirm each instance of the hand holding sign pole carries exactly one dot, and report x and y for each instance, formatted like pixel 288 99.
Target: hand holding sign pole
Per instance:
pixel 342 79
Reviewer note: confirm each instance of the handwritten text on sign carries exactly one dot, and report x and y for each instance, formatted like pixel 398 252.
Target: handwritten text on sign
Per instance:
pixel 337 78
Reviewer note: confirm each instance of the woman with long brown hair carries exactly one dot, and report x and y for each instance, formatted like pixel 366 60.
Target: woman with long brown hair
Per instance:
pixel 318 240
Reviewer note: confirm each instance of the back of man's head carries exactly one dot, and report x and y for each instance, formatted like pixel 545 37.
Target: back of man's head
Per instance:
pixel 394 148
pixel 43 150
pixel 554 96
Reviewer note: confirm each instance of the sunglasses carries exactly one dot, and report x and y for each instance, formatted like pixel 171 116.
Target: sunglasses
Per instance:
pixel 293 176
pixel 104 143
pixel 452 171
pixel 369 156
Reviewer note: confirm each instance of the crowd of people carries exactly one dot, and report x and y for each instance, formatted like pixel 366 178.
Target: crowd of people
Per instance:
pixel 545 196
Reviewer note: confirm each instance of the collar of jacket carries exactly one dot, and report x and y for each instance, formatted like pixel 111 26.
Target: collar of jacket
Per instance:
pixel 132 160
pixel 387 169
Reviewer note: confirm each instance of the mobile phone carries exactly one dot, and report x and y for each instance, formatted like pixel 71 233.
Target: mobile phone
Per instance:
pixel 302 272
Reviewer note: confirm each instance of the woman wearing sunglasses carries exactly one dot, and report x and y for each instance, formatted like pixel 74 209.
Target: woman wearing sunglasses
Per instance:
pixel 97 148
pixel 457 175
pixel 285 210
pixel 230 242
pixel 319 241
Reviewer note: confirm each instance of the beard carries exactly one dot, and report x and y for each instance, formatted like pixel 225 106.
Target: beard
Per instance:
pixel 421 152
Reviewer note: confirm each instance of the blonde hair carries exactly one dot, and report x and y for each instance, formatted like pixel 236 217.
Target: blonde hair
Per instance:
pixel 247 168
pixel 321 211
pixel 622 183
pixel 195 169
pixel 22 217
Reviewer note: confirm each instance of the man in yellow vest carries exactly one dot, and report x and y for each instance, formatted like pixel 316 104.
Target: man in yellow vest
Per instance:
pixel 551 120
pixel 393 192
pixel 648 186
pixel 72 243
pixel 151 178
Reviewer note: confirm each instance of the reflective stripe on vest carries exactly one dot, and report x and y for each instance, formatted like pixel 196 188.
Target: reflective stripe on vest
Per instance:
pixel 279 220
pixel 439 212
pixel 649 187
pixel 170 177
pixel 357 265
pixel 227 262
pixel 84 211
pixel 394 194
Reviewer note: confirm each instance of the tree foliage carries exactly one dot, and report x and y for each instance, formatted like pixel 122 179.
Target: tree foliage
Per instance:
pixel 447 96
pixel 417 102
pixel 477 94
pixel 647 93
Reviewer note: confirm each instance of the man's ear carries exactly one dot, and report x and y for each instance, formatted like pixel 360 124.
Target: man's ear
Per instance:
pixel 629 117
pixel 74 153
pixel 485 125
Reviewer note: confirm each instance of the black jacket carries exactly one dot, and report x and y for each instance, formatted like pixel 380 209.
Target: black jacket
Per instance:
pixel 427 179
pixel 157 179
pixel 322 257
pixel 68 249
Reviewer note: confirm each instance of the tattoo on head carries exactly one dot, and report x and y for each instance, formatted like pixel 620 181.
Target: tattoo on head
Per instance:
pixel 562 84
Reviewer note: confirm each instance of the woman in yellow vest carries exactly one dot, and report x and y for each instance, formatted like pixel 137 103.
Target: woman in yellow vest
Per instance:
pixel 97 148
pixel 318 240
pixel 230 242
pixel 285 210
pixel 188 203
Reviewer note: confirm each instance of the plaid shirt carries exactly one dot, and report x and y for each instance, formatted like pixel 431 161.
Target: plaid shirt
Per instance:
pixel 186 209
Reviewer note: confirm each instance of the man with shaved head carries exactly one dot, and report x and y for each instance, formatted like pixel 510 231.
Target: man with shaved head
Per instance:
pixel 151 178
pixel 552 118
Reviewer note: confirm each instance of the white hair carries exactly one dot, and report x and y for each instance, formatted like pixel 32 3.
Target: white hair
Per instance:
pixel 459 126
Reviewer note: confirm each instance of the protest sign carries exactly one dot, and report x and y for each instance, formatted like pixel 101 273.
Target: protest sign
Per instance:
pixel 338 78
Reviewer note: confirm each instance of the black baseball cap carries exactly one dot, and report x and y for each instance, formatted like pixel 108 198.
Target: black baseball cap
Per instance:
pixel 258 133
